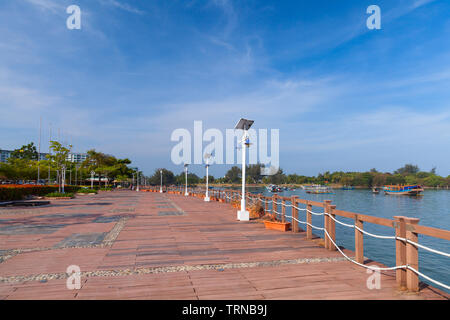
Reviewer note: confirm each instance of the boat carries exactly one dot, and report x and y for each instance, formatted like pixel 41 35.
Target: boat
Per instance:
pixel 375 190
pixel 273 188
pixel 348 188
pixel 319 190
pixel 408 190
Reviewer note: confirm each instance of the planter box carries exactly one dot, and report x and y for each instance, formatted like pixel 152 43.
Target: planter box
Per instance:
pixel 275 225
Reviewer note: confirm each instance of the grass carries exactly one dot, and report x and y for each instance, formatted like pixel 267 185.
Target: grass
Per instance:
pixel 59 195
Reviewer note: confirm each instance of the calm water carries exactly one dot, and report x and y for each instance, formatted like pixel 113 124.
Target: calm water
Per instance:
pixel 433 210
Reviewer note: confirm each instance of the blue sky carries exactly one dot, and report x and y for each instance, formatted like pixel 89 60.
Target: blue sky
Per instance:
pixel 344 97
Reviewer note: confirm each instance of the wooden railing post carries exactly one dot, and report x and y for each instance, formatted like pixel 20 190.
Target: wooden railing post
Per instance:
pixel 309 220
pixel 400 251
pixel 274 206
pixel 359 241
pixel 266 204
pixel 294 214
pixel 412 255
pixel 332 228
pixel 283 210
pixel 326 204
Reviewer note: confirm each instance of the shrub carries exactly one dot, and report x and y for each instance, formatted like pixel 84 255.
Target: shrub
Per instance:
pixel 86 191
pixel 19 192
pixel 59 195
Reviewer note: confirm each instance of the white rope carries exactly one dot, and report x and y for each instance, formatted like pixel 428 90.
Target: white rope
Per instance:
pixel 427 248
pixel 360 264
pixel 428 278
pixel 300 209
pixel 316 213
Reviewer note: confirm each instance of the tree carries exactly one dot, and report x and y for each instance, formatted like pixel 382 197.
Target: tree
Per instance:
pixel 168 177
pixel 407 169
pixel 58 158
pixel 234 175
pixel 26 152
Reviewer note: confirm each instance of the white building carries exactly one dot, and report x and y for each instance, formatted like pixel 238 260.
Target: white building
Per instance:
pixel 76 157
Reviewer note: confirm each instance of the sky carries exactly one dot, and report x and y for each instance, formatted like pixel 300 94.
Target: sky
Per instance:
pixel 343 97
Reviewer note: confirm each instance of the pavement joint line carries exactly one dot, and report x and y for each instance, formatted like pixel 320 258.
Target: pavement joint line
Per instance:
pixel 107 242
pixel 169 269
pixel 174 204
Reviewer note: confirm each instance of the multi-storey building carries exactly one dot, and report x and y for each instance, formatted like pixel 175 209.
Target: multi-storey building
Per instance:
pixel 76 157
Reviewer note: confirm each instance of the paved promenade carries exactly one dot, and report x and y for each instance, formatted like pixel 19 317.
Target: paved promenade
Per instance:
pixel 132 245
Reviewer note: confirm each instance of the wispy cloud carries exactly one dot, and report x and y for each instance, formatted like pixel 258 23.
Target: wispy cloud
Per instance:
pixel 123 6
pixel 48 5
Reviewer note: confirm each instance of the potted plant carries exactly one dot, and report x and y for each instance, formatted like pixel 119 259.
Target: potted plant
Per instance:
pixel 270 222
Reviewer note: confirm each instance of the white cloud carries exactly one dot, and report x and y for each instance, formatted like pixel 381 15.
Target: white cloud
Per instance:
pixel 123 6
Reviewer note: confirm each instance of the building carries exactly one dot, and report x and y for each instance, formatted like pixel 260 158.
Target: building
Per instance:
pixel 6 154
pixel 76 157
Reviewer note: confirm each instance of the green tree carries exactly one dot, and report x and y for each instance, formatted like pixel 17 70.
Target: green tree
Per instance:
pixel 407 169
pixel 234 175
pixel 26 152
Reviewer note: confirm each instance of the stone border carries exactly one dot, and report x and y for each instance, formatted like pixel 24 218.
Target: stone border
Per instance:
pixel 168 269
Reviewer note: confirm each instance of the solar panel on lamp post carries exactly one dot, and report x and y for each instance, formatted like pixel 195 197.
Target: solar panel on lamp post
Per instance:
pixel 207 157
pixel 186 171
pixel 244 124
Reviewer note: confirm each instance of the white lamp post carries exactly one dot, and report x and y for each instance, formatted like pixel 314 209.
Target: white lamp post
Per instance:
pixel 63 181
pixel 185 172
pixel 137 181
pixel 244 124
pixel 207 157
pixel 160 188
pixel 92 179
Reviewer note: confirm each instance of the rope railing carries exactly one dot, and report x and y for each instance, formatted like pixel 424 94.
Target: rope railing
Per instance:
pixel 235 195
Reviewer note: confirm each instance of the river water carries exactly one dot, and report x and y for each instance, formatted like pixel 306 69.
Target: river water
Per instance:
pixel 433 210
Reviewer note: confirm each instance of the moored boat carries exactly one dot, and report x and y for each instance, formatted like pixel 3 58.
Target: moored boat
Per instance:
pixel 375 190
pixel 319 190
pixel 409 190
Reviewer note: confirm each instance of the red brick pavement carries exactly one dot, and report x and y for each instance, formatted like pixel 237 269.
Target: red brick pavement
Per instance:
pixel 204 234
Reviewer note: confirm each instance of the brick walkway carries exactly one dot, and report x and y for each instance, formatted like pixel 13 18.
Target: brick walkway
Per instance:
pixel 132 245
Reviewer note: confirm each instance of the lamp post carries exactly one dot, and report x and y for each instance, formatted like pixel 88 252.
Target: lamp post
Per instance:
pixel 160 188
pixel 63 178
pixel 244 124
pixel 92 179
pixel 137 181
pixel 207 157
pixel 186 172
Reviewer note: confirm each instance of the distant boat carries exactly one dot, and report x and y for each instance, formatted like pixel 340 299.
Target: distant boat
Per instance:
pixel 375 190
pixel 348 188
pixel 319 190
pixel 409 190
pixel 273 188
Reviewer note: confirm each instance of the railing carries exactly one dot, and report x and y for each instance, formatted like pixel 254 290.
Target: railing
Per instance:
pixel 406 230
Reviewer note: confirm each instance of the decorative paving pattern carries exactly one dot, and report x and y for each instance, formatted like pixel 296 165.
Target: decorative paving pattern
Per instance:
pixel 81 240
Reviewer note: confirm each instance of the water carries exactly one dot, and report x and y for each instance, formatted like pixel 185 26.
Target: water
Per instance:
pixel 433 210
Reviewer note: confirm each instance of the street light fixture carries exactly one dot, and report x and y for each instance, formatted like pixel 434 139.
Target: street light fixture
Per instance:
pixel 160 188
pixel 244 124
pixel 207 157
pixel 186 172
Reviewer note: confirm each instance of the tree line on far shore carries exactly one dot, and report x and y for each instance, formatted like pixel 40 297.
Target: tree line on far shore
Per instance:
pixel 408 174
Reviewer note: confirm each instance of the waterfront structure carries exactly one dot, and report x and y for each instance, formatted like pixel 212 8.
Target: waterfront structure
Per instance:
pixel 76 157
pixel 6 154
